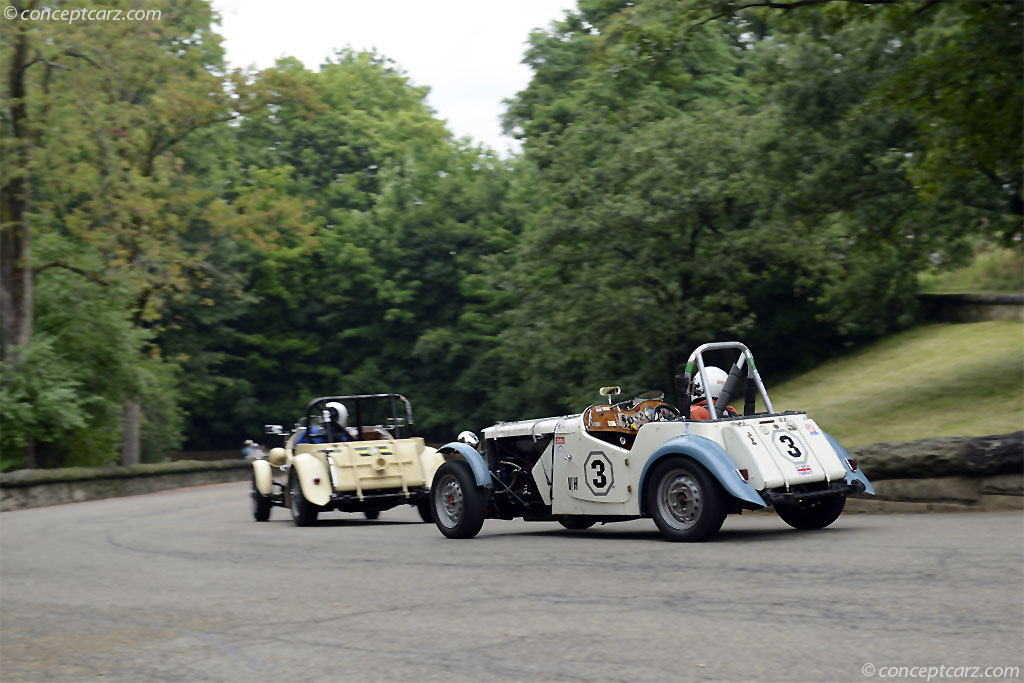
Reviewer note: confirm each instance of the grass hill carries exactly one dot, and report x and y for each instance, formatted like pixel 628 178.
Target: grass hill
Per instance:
pixel 933 380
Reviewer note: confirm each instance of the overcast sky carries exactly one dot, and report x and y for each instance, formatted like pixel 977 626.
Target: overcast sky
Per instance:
pixel 467 51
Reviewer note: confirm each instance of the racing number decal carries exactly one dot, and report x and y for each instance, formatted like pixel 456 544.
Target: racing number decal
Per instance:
pixel 598 473
pixel 793 450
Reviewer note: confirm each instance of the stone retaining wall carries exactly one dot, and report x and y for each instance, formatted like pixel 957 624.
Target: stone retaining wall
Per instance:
pixel 948 473
pixel 34 488
pixel 972 308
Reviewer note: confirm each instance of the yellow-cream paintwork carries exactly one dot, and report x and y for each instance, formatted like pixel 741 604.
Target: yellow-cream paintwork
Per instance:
pixel 263 476
pixel 362 466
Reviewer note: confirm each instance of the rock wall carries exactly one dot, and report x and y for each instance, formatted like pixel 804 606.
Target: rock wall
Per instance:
pixel 34 488
pixel 985 472
pixel 947 473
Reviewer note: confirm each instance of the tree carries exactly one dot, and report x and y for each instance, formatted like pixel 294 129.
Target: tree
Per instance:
pixel 94 113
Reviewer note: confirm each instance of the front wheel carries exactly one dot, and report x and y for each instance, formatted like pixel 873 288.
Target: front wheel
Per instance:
pixel 815 514
pixel 686 502
pixel 304 513
pixel 459 504
pixel 260 503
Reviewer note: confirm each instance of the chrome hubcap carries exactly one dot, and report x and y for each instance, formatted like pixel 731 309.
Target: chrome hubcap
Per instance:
pixel 679 496
pixel 449 501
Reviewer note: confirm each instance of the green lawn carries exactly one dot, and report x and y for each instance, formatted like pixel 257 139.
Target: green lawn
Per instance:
pixel 934 380
pixel 993 270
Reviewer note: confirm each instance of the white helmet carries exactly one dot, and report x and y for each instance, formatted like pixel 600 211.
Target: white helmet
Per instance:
pixel 338 412
pixel 716 376
pixel 469 438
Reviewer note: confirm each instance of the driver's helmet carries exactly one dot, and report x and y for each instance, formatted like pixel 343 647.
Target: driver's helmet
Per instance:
pixel 716 376
pixel 469 438
pixel 338 412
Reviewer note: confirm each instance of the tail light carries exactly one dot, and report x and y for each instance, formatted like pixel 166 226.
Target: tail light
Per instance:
pixel 852 462
pixel 316 480
pixel 744 474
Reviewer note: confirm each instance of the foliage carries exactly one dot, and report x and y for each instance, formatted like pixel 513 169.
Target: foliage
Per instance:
pixel 221 246
pixel 994 269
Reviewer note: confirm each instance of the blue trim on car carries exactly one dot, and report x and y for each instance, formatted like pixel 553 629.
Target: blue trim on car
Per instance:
pixel 713 458
pixel 473 459
pixel 851 475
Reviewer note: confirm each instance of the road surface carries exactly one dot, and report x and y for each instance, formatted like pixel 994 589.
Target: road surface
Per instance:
pixel 185 586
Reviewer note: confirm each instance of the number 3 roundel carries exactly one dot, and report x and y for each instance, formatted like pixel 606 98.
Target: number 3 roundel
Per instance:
pixel 598 473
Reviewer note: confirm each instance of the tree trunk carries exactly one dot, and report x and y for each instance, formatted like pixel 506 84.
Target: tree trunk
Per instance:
pixel 132 429
pixel 16 274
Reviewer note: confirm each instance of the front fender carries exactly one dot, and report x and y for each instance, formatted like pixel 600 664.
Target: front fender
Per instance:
pixel 309 468
pixel 851 475
pixel 456 450
pixel 261 472
pixel 713 458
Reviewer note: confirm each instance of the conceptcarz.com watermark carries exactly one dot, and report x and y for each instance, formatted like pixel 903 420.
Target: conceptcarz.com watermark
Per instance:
pixel 70 16
pixel 929 673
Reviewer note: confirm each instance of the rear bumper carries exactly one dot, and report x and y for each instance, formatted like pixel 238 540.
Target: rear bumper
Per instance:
pixel 836 488
pixel 377 500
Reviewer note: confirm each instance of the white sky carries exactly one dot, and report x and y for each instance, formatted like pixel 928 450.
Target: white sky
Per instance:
pixel 467 52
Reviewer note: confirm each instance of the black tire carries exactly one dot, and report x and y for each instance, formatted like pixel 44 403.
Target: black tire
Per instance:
pixel 576 523
pixel 686 502
pixel 458 503
pixel 426 509
pixel 816 514
pixel 304 513
pixel 371 514
pixel 260 504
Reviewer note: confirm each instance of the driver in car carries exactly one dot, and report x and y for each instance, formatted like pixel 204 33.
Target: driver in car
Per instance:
pixel 699 407
pixel 335 417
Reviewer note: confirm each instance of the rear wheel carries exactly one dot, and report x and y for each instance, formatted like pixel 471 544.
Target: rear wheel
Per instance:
pixel 685 501
pixel 260 503
pixel 424 507
pixel 371 514
pixel 458 503
pixel 576 523
pixel 815 514
pixel 304 513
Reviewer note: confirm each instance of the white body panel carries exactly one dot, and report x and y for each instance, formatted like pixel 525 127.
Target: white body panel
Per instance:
pixel 579 474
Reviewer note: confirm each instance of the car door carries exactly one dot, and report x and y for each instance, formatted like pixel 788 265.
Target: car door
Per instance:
pixel 590 475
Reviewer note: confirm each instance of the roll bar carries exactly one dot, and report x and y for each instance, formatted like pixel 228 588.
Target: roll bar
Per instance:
pixel 745 358
pixel 358 399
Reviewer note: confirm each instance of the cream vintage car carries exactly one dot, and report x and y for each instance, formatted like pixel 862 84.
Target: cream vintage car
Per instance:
pixel 328 462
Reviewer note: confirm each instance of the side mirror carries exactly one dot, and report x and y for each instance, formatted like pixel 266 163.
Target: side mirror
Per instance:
pixel 276 430
pixel 608 392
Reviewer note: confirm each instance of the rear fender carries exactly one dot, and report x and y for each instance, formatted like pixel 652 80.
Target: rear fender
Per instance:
pixel 430 460
pixel 314 477
pixel 261 473
pixel 713 458
pixel 456 450
pixel 851 475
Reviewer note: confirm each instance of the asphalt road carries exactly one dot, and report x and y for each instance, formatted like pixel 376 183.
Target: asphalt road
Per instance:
pixel 184 586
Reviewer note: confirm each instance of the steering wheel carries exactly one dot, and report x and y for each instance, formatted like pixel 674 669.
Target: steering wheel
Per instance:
pixel 666 412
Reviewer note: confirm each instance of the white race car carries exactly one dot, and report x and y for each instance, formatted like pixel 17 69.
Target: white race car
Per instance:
pixel 328 464
pixel 648 458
